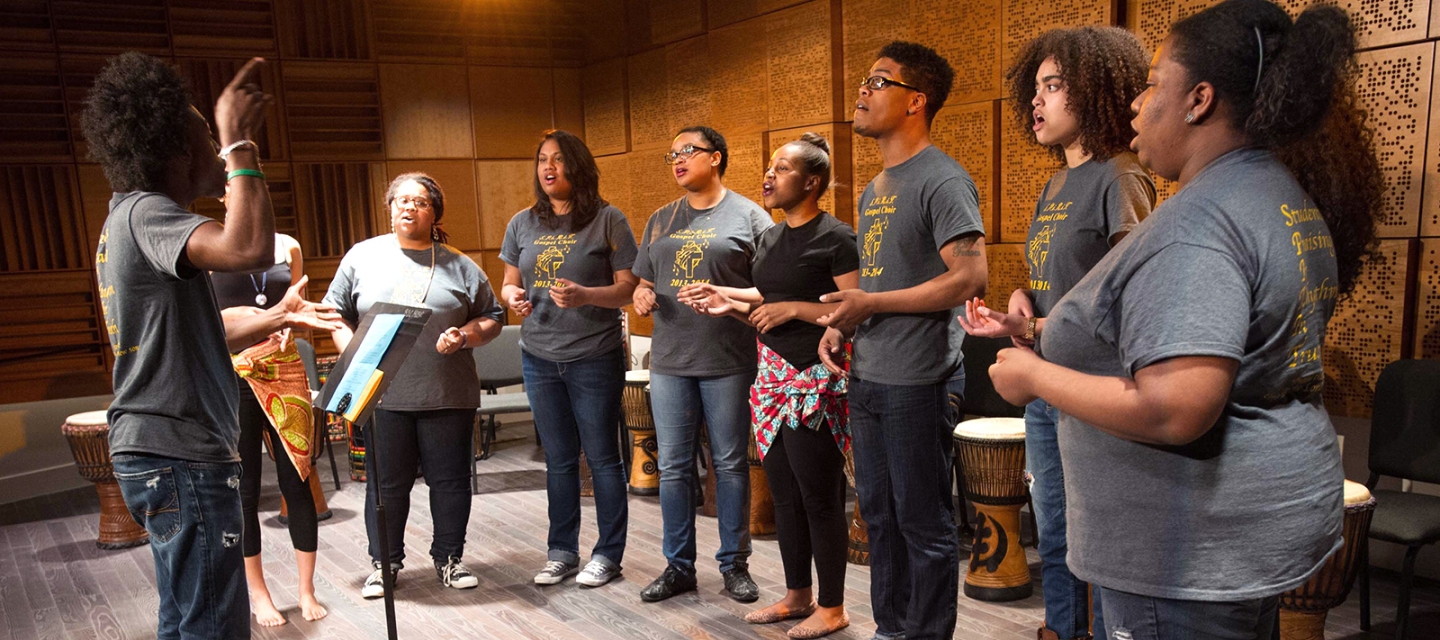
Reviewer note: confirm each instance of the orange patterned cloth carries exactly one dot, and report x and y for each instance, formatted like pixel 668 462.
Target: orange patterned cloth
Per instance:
pixel 278 378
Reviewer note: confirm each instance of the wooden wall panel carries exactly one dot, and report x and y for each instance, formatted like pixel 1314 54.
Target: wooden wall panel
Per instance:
pixel 457 180
pixel 1150 20
pixel 1379 23
pixel 515 105
pixel 1427 302
pixel 332 110
pixel 338 205
pixel 111 26
pixel 25 24
pixel 967 133
pixel 95 197
pixel 723 12
pixel 1365 334
pixel 42 221
pixel 652 184
pixel 338 29
pixel 1008 272
pixel 615 188
pixel 605 32
pixel 840 200
pixel 427 108
pixel 606 115
pixel 33 127
pixel 249 27
pixel 687 84
pixel 867 25
pixel 1394 86
pixel 739 80
pixel 967 33
pixel 427 30
pixel 506 187
pixel 1430 200
pixel 798 51
pixel 53 344
pixel 648 93
pixel 865 165
pixel 748 158
pixel 208 79
pixel 569 107
pixel 674 20
pixel 1023 20
pixel 1024 168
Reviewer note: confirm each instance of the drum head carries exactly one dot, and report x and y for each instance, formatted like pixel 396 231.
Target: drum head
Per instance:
pixel 1355 493
pixel 637 376
pixel 87 419
pixel 992 429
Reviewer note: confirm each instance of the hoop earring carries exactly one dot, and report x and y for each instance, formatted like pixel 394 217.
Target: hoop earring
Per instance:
pixel 1189 118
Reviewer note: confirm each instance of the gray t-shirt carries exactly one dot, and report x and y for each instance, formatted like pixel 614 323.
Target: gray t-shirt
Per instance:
pixel 588 257
pixel 175 393
pixel 907 213
pixel 682 245
pixel 1238 265
pixel 1079 211
pixel 378 270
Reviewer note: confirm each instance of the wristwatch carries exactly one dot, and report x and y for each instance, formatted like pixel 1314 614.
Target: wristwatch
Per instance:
pixel 1030 329
pixel 225 153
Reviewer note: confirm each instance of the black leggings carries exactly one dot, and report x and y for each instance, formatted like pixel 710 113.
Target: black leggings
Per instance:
pixel 303 525
pixel 807 480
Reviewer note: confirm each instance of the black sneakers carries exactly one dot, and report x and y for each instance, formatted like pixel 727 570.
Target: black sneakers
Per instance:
pixel 673 582
pixel 738 584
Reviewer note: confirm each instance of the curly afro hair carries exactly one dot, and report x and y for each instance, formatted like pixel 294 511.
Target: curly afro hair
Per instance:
pixel 136 120
pixel 1104 69
pixel 924 68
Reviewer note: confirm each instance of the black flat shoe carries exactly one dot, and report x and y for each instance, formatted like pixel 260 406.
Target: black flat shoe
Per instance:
pixel 671 583
pixel 738 584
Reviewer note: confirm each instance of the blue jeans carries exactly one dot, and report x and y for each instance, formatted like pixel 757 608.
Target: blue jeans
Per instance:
pixel 679 403
pixel 577 406
pixel 902 440
pixel 1134 617
pixel 1067 610
pixel 192 512
pixel 442 443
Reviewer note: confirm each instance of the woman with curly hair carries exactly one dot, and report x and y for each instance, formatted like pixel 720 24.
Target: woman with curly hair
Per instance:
pixel 1072 91
pixel 1186 367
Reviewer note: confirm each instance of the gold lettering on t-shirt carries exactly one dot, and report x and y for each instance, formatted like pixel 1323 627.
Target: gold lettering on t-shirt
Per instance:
pixel 690 255
pixel 548 263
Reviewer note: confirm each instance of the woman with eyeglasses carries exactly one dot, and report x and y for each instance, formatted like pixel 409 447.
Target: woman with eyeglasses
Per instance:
pixel 701 367
pixel 428 413
pixel 567 272
pixel 1202 473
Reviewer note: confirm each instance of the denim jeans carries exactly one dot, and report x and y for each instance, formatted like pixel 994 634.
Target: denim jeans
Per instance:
pixel 902 441
pixel 1067 610
pixel 442 443
pixel 678 404
pixel 577 406
pixel 1134 617
pixel 192 512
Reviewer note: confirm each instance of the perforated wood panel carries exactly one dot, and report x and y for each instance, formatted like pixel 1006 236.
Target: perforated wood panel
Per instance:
pixel 323 29
pixel 649 113
pixel 427 108
pixel 339 204
pixel 1379 23
pixel 1430 202
pixel 419 30
pixel 457 179
pixel 1427 302
pixel 95 197
pixel 569 108
pixel 111 26
pixel 967 33
pixel 672 20
pixel 1395 87
pixel 967 133
pixel 1365 333
pixel 208 79
pixel 652 184
pixel 25 24
pixel 332 110
pixel 603 89
pixel 1150 20
pixel 249 27
pixel 865 163
pixel 1024 19
pixel 687 87
pixel 510 121
pixel 32 111
pixel 1163 188
pixel 839 200
pixel 739 81
pixel 1008 272
pixel 799 59
pixel 868 25
pixel 748 158
pixel 52 335
pixel 732 11
pixel 615 188
pixel 1024 168
pixel 506 187
pixel 42 223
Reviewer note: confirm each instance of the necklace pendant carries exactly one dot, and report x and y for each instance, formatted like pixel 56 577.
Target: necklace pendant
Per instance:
pixel 260 299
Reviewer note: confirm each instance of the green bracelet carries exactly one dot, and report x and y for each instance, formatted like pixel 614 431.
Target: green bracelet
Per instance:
pixel 254 173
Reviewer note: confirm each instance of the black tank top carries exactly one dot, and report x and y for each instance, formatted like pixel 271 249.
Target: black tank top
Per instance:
pixel 243 289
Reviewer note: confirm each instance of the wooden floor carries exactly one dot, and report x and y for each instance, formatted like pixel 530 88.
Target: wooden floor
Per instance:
pixel 54 583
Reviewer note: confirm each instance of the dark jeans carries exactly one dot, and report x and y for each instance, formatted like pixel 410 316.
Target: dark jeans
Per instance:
pixel 807 481
pixel 303 525
pixel 192 511
pixel 1067 598
pixel 577 406
pixel 902 444
pixel 442 442
pixel 1134 617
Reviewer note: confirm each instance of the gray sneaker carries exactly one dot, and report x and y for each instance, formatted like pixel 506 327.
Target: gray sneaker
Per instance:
pixel 556 572
pixel 597 572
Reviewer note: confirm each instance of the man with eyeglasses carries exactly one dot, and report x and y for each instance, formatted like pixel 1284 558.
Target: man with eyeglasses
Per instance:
pixel 924 256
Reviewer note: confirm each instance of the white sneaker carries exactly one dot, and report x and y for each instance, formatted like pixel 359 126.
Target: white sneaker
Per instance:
pixel 455 575
pixel 556 572
pixel 374 585
pixel 597 573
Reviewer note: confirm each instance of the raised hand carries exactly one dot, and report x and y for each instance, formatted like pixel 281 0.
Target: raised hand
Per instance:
pixel 241 107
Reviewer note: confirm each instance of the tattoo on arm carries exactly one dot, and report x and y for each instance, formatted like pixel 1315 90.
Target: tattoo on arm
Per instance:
pixel 965 247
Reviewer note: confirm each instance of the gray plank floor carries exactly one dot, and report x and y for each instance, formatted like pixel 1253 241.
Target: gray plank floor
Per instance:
pixel 54 582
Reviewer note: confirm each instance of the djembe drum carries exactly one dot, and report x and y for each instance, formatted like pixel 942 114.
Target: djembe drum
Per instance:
pixel 762 504
pixel 1303 610
pixel 992 457
pixel 859 535
pixel 322 508
pixel 644 459
pixel 89 437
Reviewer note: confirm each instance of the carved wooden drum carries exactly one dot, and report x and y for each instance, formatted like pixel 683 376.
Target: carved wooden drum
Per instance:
pixel 89 437
pixel 992 458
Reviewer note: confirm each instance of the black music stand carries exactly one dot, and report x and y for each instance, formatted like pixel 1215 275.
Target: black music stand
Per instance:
pixel 395 354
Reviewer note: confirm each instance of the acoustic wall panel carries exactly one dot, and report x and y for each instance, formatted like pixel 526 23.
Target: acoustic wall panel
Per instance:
pixel 111 26
pixel 602 87
pixel 799 61
pixel 746 170
pixel 249 27
pixel 1023 20
pixel 338 205
pixel 337 29
pixel 968 34
pixel 867 26
pixel 1430 200
pixel 208 79
pixel 1008 271
pixel 511 107
pixel 33 127
pixel 739 77
pixel 1379 23
pixel 42 221
pixel 652 184
pixel 569 107
pixel 457 179
pixel 648 94
pixel 279 180
pixel 839 200
pixel 967 133
pixel 332 110
pixel 687 87
pixel 1394 86
pixel 673 20
pixel 1024 169
pixel 1365 334
pixel 428 30
pixel 426 109
pixel 506 187
pixel 53 344
pixel 25 24
pixel 1427 307
pixel 615 188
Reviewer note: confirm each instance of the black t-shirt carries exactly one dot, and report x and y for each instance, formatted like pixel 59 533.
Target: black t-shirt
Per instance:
pixel 245 289
pixel 799 265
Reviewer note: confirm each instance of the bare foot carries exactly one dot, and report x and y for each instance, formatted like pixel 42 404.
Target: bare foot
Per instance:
pixel 264 609
pixel 311 608
pixel 825 620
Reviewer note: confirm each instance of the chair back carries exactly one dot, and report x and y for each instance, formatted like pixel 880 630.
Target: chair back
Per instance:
pixel 1405 423
pixel 498 362
pixel 981 399
pixel 307 356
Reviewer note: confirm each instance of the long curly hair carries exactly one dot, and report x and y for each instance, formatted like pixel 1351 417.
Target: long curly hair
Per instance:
pixel 136 120
pixel 583 176
pixel 1298 99
pixel 1104 69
